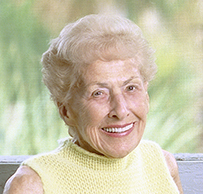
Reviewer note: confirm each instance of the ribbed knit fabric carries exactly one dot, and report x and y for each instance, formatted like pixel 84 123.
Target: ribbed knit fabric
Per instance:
pixel 71 169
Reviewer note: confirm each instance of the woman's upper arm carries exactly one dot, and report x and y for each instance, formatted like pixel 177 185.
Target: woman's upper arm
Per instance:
pixel 24 181
pixel 173 168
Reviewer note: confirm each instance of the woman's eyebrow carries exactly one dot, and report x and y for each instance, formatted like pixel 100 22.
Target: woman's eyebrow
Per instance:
pixel 102 84
pixel 130 79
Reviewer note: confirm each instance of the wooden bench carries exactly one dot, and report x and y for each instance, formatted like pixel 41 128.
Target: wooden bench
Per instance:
pixel 190 169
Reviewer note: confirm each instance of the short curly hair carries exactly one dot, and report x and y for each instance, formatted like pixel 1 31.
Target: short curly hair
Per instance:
pixel 91 38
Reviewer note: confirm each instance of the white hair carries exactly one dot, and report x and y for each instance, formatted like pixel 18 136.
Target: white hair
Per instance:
pixel 91 38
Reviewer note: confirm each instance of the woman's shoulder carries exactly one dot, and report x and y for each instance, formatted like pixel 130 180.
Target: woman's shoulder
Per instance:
pixel 24 181
pixel 159 153
pixel 168 158
pixel 171 162
pixel 173 168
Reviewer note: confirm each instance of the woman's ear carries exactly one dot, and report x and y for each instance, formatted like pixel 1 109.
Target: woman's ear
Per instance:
pixel 146 85
pixel 147 100
pixel 65 114
pixel 147 95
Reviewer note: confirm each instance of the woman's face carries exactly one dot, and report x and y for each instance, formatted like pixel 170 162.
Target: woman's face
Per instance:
pixel 110 109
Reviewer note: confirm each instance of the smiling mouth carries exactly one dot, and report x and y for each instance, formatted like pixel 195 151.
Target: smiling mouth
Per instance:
pixel 118 130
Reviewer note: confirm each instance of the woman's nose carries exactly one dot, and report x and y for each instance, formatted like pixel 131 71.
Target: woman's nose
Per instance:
pixel 118 107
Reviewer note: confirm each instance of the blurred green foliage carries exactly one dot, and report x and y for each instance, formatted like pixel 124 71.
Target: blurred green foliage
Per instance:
pixel 29 121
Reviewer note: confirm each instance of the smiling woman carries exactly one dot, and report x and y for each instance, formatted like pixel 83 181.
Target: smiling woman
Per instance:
pixel 114 105
pixel 97 72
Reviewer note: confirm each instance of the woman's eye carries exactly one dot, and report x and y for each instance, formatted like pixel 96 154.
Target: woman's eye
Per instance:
pixel 131 88
pixel 97 93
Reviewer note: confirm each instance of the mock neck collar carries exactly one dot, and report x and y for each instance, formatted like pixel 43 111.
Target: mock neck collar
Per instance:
pixel 94 161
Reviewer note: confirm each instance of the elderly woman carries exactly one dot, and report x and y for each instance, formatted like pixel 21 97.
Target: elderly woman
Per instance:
pixel 97 72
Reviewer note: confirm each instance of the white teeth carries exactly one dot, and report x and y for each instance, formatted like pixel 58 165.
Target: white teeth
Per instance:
pixel 118 130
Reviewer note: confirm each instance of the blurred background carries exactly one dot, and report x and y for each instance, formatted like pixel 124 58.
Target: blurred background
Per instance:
pixel 29 121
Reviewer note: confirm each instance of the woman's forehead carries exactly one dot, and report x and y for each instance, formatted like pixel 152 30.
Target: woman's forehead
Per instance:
pixel 102 72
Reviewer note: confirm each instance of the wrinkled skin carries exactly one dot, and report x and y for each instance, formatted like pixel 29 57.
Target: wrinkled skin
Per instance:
pixel 113 95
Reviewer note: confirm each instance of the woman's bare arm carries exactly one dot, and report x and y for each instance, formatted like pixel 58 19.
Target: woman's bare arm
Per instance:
pixel 27 181
pixel 24 181
pixel 173 168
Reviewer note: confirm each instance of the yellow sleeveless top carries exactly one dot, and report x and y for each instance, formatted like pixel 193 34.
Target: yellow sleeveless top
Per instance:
pixel 71 169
